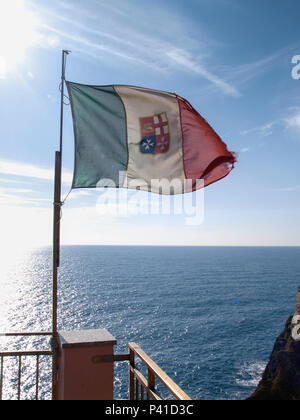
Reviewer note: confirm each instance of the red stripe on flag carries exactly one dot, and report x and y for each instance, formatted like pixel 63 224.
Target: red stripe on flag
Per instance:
pixel 205 155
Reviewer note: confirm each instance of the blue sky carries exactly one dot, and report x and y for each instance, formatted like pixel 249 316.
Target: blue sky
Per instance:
pixel 232 59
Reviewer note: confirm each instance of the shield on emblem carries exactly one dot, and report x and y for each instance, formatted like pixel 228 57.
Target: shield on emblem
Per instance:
pixel 155 133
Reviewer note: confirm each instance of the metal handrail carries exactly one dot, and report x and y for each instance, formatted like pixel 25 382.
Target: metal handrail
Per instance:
pixel 138 384
pixel 26 334
pixel 19 355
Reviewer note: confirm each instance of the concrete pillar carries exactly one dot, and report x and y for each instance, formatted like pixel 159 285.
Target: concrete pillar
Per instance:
pixel 86 365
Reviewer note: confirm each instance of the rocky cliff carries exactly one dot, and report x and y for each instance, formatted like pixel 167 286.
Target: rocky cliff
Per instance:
pixel 281 380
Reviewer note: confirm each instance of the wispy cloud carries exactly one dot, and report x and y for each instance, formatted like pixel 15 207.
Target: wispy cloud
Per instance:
pixel 237 77
pixel 95 48
pixel 155 38
pixel 14 181
pixel 183 59
pixel 77 194
pixel 21 198
pixel 293 121
pixel 294 188
pixel 31 171
pixel 264 130
pixel 133 42
pixel 290 122
pixel 249 71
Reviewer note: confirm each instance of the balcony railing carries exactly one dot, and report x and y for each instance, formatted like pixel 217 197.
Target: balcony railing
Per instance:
pixel 16 375
pixel 140 387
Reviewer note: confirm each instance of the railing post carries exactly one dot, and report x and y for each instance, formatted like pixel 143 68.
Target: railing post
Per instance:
pixel 131 374
pixel 1 377
pixel 37 377
pixel 19 378
pixel 151 380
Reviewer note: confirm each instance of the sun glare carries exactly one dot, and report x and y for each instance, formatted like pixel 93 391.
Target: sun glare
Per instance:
pixel 17 34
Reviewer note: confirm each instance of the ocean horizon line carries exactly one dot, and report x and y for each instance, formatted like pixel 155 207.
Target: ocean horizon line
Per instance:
pixel 174 246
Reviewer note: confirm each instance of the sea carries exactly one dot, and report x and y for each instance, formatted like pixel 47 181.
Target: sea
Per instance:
pixel 208 316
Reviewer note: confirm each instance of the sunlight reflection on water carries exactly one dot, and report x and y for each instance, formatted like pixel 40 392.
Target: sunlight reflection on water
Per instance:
pixel 25 301
pixel 25 306
pixel 178 304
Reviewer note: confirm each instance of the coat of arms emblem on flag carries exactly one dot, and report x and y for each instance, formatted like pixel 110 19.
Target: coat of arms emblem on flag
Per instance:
pixel 155 134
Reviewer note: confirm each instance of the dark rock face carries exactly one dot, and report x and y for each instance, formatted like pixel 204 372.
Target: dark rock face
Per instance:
pixel 281 380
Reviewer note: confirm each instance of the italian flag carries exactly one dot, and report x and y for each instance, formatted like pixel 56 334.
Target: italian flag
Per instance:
pixel 132 137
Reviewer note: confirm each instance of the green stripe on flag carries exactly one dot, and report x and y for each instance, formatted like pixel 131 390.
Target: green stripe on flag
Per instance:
pixel 100 134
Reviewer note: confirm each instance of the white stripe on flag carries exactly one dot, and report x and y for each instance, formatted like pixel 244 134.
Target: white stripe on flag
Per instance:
pixel 141 103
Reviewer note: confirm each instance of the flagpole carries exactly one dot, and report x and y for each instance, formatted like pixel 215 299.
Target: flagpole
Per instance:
pixel 56 225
